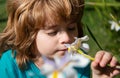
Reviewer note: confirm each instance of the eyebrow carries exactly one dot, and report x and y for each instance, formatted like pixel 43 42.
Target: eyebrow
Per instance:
pixel 50 27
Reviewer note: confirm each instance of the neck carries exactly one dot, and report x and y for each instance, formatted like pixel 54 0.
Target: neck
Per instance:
pixel 39 62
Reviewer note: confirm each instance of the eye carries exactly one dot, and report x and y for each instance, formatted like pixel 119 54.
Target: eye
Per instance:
pixel 72 28
pixel 52 33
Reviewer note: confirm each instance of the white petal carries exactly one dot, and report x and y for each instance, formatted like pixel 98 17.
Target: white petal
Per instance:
pixel 80 61
pixel 85 38
pixel 46 69
pixel 70 72
pixel 85 47
pixel 117 27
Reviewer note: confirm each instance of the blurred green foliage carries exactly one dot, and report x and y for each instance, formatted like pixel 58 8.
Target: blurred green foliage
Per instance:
pixel 97 16
pixel 3 14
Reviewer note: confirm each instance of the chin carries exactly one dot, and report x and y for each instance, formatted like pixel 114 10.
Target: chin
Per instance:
pixel 61 54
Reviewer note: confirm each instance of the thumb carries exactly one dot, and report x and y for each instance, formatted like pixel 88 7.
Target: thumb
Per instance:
pixel 95 68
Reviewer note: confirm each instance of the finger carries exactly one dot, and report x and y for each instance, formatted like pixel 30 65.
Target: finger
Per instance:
pixel 113 62
pixel 99 56
pixel 105 59
pixel 95 64
pixel 116 72
pixel 95 68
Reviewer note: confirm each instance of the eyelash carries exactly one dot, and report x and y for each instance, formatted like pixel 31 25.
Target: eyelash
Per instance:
pixel 52 33
pixel 71 29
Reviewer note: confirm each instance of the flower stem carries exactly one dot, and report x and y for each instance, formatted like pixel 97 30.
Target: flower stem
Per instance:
pixel 92 59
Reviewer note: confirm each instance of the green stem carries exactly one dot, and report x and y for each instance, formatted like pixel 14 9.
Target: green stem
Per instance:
pixel 87 56
pixel 92 59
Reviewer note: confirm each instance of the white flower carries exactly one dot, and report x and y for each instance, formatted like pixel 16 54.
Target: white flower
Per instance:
pixel 77 44
pixel 63 67
pixel 115 25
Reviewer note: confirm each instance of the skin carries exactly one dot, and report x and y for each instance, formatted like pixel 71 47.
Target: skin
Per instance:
pixel 100 68
pixel 51 39
pixel 50 42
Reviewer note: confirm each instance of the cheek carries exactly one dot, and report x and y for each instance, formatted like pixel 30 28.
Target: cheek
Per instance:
pixel 45 46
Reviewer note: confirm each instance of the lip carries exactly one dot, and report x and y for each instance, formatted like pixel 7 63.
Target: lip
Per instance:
pixel 63 49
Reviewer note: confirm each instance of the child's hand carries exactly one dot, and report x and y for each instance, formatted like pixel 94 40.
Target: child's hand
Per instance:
pixel 100 68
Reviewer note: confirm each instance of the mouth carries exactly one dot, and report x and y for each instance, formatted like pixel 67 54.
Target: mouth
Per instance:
pixel 62 51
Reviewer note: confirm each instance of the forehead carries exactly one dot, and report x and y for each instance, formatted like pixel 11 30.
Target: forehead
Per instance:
pixel 55 23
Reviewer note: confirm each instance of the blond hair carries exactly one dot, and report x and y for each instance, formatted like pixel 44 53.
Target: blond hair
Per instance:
pixel 26 17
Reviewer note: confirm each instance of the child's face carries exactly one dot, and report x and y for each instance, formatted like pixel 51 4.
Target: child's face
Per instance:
pixel 50 40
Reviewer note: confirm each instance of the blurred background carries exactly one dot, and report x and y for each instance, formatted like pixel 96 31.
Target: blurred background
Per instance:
pixel 102 17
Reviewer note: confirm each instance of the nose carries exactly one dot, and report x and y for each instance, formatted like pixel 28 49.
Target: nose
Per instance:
pixel 65 38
